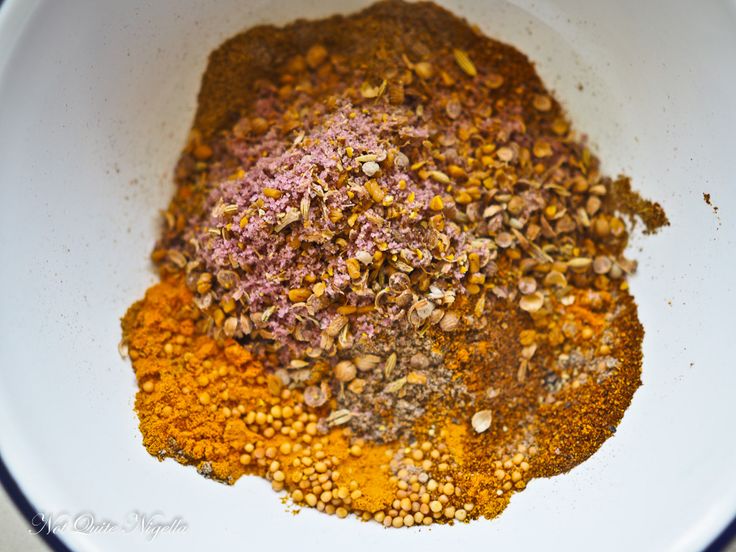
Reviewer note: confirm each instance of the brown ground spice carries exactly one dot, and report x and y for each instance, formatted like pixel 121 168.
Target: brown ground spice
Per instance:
pixel 625 200
pixel 530 363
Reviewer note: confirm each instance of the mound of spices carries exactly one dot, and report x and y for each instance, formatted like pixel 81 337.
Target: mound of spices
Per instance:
pixel 393 279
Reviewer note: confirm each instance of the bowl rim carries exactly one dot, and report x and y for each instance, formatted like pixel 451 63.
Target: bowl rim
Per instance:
pixel 9 12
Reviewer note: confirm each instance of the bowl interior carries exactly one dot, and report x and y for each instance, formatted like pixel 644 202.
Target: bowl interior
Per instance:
pixel 95 102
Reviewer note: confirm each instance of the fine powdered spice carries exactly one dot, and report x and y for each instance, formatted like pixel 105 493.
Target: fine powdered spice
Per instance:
pixel 393 278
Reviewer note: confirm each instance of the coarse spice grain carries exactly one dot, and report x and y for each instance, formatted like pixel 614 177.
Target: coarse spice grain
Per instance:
pixel 393 279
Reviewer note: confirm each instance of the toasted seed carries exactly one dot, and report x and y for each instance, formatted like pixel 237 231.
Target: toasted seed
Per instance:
pixel 505 154
pixel 202 152
pixel 592 205
pixel 542 103
pixel 582 218
pixel 227 278
pixel 370 168
pixel 580 263
pixel 515 205
pixel 403 267
pixel 494 81
pixel 419 361
pixel 598 189
pixel 336 325
pixel 314 396
pixel 246 325
pixel 480 306
pixel 527 285
pixel 481 420
pixel 532 302
pixel 267 313
pixel 339 417
pixel 453 109
pixel 528 351
pixel 304 206
pixel 396 95
pixel 353 266
pixel 463 198
pixel 504 239
pixel 542 149
pixel 436 203
pixel 602 264
pixel 399 282
pixel 366 362
pixel 297 295
pixel 424 70
pixel 290 216
pixel 436 316
pixel 439 176
pixel 522 370
pixel 400 160
pixel 416 378
pixel 345 371
pixel 230 326
pixel 204 283
pixel 395 386
pixel 450 321
pixel 176 257
pixel 555 278
pixel 369 91
pixel 390 365
pixel 316 55
pixel 492 210
pixel 462 59
pixel 374 189
pixel 423 308
pixel 357 386
pixel 364 257
pixel 627 265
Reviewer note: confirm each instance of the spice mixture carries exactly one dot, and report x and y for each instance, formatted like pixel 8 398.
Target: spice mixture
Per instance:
pixel 393 279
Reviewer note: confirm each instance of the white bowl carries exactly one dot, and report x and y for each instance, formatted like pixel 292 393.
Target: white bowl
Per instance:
pixel 95 101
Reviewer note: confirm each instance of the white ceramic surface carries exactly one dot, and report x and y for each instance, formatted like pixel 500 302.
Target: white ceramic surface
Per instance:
pixel 95 101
